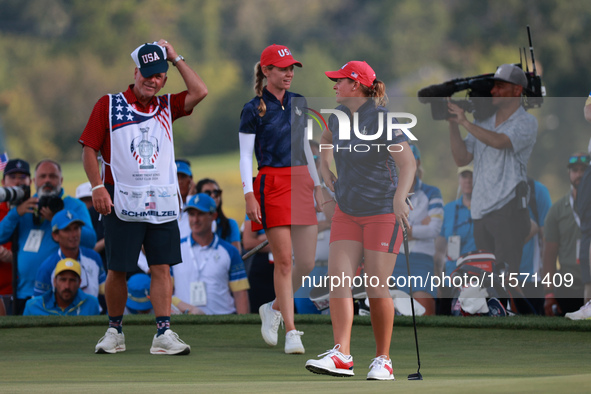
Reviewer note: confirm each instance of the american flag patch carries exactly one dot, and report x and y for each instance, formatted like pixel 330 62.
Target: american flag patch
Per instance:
pixel 3 160
pixel 354 74
pixel 151 205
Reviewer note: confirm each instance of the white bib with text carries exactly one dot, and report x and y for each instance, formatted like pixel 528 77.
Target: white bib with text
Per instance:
pixel 142 162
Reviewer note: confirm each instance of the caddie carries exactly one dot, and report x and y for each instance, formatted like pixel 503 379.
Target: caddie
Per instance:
pixel 137 193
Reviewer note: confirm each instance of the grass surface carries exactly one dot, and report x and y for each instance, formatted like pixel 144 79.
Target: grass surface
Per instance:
pixel 228 355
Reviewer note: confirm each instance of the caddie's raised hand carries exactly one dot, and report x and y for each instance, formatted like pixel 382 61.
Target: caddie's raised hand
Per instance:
pixel 170 52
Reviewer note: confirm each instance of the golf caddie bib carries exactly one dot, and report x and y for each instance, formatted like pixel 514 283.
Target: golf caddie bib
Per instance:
pixel 142 162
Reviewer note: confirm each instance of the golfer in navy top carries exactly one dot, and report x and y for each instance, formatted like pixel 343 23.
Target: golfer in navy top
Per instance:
pixel 369 216
pixel 286 182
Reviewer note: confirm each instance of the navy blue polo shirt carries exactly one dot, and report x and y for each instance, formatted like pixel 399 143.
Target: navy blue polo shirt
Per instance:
pixel 279 134
pixel 367 178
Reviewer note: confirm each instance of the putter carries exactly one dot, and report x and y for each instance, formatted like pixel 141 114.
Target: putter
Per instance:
pixel 412 376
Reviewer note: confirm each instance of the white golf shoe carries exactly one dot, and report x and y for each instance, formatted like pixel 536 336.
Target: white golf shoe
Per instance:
pixel 169 343
pixel 332 363
pixel 582 314
pixel 112 342
pixel 293 342
pixel 270 319
pixel 380 369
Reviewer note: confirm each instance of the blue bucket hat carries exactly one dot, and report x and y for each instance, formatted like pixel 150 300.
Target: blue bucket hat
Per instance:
pixel 138 292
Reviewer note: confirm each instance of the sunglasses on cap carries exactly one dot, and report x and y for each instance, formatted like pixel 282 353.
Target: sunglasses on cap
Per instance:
pixel 213 193
pixel 584 159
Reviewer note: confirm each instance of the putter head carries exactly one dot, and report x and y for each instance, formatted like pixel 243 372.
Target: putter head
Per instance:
pixel 415 376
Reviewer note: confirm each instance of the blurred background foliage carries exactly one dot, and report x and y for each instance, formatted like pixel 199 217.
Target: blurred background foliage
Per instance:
pixel 57 57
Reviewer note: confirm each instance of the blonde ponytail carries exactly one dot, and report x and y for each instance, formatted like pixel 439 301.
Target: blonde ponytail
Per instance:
pixel 259 77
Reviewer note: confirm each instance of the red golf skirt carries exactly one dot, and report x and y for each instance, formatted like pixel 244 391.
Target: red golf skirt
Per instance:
pixel 286 196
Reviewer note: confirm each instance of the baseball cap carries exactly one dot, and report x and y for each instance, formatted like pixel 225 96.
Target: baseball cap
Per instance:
pixel 138 292
pixel 201 202
pixel 183 167
pixel 63 219
pixel 67 264
pixel 17 165
pixel 469 167
pixel 84 190
pixel 512 74
pixel 355 70
pixel 416 152
pixel 578 158
pixel 150 59
pixel 278 56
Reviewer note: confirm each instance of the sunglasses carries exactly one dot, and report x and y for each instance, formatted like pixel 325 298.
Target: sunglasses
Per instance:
pixel 213 193
pixel 578 159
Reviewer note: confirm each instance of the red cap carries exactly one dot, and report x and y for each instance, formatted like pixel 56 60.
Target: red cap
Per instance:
pixel 278 56
pixel 355 70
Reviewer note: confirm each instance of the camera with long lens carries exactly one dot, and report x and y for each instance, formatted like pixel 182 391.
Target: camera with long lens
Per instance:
pixel 14 194
pixel 53 202
pixel 478 98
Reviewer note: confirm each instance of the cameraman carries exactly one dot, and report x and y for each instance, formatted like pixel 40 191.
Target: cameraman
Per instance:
pixel 31 222
pixel 500 147
pixel 16 173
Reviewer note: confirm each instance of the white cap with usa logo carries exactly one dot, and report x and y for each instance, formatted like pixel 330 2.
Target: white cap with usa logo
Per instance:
pixel 150 59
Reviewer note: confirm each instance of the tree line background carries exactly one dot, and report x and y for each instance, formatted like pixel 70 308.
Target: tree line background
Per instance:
pixel 57 57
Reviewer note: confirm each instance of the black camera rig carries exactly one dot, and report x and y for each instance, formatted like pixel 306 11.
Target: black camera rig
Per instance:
pixel 478 91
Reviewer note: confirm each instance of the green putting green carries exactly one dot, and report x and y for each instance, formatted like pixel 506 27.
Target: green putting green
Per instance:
pixel 519 354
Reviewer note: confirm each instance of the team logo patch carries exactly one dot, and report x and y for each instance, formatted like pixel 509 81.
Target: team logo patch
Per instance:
pixel 145 149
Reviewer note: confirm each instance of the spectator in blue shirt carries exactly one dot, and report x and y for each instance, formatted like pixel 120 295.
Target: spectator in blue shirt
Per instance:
pixel 31 221
pixel 66 228
pixel 457 232
pixel 66 299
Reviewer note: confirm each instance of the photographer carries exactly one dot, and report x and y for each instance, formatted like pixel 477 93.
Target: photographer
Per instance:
pixel 31 222
pixel 16 174
pixel 500 147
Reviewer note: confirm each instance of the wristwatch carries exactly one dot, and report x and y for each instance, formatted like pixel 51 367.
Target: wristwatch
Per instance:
pixel 177 59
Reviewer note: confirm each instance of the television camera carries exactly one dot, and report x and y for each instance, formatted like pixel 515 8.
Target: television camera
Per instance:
pixel 478 94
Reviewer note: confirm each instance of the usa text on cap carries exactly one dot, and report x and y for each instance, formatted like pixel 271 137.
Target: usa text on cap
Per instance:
pixel 201 202
pixel 278 56
pixel 355 70
pixel 150 59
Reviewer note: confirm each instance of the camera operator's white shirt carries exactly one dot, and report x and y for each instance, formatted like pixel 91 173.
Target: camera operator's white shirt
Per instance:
pixel 498 171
